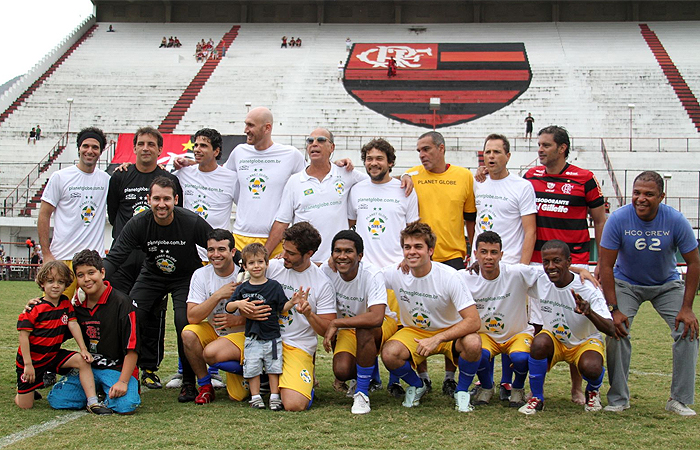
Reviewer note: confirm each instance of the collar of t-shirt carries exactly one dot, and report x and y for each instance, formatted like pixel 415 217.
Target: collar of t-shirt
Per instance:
pixel 103 297
pixel 305 175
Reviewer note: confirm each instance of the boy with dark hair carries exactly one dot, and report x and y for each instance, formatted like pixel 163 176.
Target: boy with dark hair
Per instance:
pixel 263 341
pixel 108 324
pixel 41 332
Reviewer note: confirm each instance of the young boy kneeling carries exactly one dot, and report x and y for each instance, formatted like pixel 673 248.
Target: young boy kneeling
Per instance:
pixel 41 332
pixel 108 322
pixel 263 342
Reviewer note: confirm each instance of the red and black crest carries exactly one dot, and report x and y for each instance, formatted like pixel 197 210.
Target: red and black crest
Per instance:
pixel 471 80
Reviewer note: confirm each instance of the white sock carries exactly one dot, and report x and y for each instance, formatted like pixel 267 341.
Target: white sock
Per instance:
pixel 274 396
pixel 255 397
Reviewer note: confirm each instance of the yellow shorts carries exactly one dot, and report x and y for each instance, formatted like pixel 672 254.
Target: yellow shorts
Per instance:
pixel 236 385
pixel 407 336
pixel 573 354
pixel 70 290
pixel 393 303
pixel 347 342
pixel 242 241
pixel 297 370
pixel 519 343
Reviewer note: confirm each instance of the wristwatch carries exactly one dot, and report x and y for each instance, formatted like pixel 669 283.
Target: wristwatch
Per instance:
pixel 613 308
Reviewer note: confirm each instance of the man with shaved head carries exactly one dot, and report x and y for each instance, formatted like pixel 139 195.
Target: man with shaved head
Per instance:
pixel 318 195
pixel 262 170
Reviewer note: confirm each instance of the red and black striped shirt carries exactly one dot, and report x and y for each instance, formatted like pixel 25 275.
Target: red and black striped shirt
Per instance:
pixel 562 208
pixel 48 325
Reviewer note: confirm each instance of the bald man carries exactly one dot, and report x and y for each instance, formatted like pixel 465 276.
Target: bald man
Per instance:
pixel 262 168
pixel 317 194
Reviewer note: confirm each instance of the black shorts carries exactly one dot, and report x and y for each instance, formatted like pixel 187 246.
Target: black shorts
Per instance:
pixel 456 263
pixel 55 365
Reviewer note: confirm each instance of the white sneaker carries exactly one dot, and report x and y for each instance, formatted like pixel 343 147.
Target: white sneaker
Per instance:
pixel 352 385
pixel 463 401
pixel 413 395
pixel 175 382
pixel 616 408
pixel 679 408
pixel 532 406
pixel 592 401
pixel 360 404
pixel 483 396
pixel 217 381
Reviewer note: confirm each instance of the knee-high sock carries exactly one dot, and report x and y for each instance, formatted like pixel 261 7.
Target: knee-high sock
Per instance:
pixel 538 371
pixel 364 375
pixel 407 374
pixel 393 379
pixel 519 360
pixel 485 370
pixel 467 370
pixel 506 369
pixel 229 366
pixel 594 385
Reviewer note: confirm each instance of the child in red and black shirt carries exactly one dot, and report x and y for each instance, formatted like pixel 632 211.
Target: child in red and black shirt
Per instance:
pixel 41 332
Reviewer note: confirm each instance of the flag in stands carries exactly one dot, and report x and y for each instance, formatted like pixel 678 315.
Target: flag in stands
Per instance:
pixel 471 80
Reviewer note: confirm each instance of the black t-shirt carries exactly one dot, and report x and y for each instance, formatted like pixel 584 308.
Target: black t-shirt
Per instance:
pixel 273 295
pixel 171 250
pixel 109 329
pixel 127 193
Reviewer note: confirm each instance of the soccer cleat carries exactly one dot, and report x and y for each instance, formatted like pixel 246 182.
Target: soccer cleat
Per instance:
pixel 49 379
pixel 504 392
pixel 592 401
pixel 483 396
pixel 352 385
pixel 517 398
pixel 258 403
pixel 360 404
pixel 206 395
pixel 218 382
pixel 679 408
pixel 175 382
pixel 150 380
pixel 428 383
pixel 99 409
pixel 449 387
pixel 616 408
pixel 340 386
pixel 37 395
pixel 413 395
pixel 463 401
pixel 276 404
pixel 396 390
pixel 188 393
pixel 375 386
pixel 532 406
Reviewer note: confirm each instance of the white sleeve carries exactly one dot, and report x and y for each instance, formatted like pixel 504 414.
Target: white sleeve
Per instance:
pixel 412 208
pixel 530 274
pixel 325 298
pixel 356 176
pixel 230 163
pixel 52 191
pixel 285 213
pixel 528 204
pixel 390 273
pixel 535 312
pixel 376 290
pixel 197 293
pixel 459 293
pixel 597 301
pixel 299 163
pixel 352 205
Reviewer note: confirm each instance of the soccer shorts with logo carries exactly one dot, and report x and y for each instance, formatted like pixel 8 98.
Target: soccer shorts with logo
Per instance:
pixel 347 340
pixel 521 342
pixel 236 386
pixel 55 366
pixel 408 335
pixel 573 354
pixel 297 370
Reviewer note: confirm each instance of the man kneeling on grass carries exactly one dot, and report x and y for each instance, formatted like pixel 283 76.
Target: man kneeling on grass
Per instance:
pixel 108 322
pixel 573 314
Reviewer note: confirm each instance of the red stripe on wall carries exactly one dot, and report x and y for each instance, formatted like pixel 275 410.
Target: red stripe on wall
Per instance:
pixel 481 56
pixel 439 119
pixel 390 96
pixel 440 75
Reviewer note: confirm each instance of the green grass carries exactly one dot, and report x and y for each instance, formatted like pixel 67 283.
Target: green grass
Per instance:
pixel 163 423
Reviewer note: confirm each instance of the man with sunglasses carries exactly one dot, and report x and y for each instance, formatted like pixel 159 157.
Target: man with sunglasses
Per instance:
pixel 318 195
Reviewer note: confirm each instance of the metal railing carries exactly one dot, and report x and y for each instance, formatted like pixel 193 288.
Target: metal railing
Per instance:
pixel 611 173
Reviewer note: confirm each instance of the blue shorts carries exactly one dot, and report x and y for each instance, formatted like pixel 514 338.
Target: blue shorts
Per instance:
pixel 67 393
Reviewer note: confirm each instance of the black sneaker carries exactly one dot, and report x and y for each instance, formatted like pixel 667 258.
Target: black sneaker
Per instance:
pixel 99 409
pixel 49 379
pixel 504 392
pixel 396 390
pixel 375 385
pixel 37 395
pixel 428 384
pixel 150 380
pixel 449 387
pixel 188 393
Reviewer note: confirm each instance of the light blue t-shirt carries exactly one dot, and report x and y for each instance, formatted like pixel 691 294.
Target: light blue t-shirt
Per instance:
pixel 647 250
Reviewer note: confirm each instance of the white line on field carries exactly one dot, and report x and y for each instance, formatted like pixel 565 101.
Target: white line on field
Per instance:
pixel 40 428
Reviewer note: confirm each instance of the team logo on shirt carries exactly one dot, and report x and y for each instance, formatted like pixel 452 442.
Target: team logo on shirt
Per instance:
pixel 377 223
pixel 286 319
pixel 308 192
pixel 200 207
pixel 64 319
pixel 567 188
pixel 494 324
pixel 339 187
pixel 256 182
pixel 421 320
pixel 140 208
pixel 87 210
pixel 486 222
pixel 561 331
pixel 305 376
pixel 550 186
pixel 165 263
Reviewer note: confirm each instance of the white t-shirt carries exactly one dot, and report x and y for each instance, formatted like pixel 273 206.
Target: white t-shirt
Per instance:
pixel 500 205
pixel 203 284
pixel 80 200
pixel 432 302
pixel 503 303
pixel 556 306
pixel 324 204
pixel 382 211
pixel 355 297
pixel 296 330
pixel 210 195
pixel 262 175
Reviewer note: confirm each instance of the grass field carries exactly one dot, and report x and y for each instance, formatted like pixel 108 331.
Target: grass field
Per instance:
pixel 161 422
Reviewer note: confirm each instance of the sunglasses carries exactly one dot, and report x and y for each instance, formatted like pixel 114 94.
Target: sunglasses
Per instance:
pixel 321 140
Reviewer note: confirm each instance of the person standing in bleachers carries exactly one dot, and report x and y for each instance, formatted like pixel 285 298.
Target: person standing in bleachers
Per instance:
pixel 348 44
pixel 32 136
pixel 284 42
pixel 38 132
pixel 163 43
pixel 341 70
pixel 529 121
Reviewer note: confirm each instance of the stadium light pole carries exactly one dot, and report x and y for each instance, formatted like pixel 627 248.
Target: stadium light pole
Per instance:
pixel 70 105
pixel 631 107
pixel 435 107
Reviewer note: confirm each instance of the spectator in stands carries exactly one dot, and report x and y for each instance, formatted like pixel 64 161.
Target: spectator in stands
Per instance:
pixel 284 42
pixel 348 44
pixel 298 42
pixel 171 42
pixel 164 42
pixel 292 42
pixel 214 53
pixel 529 121
pixel 32 136
pixel 34 261
pixel 341 69
pixel 177 43
pixel 210 43
pixel 110 30
pixel 391 68
pixel 6 268
pixel 38 132
pixel 77 198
